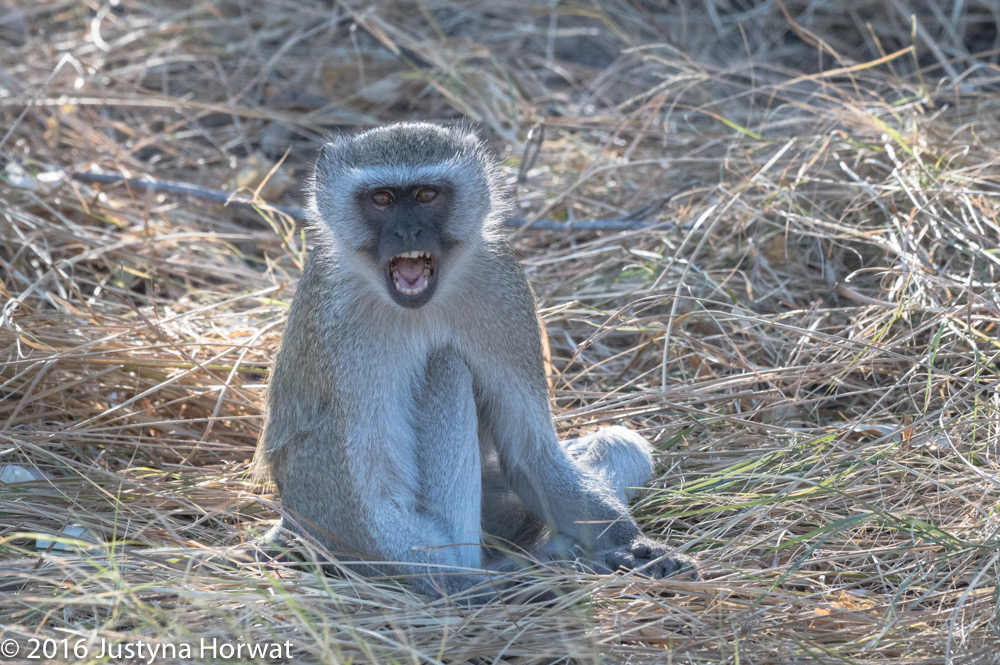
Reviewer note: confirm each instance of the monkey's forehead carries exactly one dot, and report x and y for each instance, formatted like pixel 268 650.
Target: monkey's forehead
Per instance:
pixel 414 144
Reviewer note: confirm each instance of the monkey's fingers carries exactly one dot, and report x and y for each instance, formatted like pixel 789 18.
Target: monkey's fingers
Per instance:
pixel 673 564
pixel 653 560
pixel 640 556
pixel 625 559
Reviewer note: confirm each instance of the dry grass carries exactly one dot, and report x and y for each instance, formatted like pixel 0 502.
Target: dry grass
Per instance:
pixel 813 347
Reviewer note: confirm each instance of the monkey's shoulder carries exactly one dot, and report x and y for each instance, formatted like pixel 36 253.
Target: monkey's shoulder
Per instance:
pixel 507 273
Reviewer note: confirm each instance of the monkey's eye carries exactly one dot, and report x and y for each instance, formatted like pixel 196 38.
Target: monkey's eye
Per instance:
pixel 426 194
pixel 382 198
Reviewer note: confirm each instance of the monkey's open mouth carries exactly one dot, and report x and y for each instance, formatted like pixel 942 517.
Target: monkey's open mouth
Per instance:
pixel 411 272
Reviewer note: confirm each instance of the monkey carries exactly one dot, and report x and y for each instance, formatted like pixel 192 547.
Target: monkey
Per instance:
pixel 407 421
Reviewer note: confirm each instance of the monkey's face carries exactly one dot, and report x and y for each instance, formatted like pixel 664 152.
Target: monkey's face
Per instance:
pixel 412 249
pixel 405 207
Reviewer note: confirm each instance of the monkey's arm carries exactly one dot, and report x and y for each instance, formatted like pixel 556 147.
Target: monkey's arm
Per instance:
pixel 513 403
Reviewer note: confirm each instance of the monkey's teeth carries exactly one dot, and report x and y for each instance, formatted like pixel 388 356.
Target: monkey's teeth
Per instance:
pixel 412 292
pixel 403 271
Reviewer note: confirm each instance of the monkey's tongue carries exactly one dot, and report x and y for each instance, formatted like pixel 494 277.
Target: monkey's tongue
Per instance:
pixel 410 275
pixel 410 269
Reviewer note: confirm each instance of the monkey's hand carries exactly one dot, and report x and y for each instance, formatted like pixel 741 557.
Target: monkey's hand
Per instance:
pixel 652 558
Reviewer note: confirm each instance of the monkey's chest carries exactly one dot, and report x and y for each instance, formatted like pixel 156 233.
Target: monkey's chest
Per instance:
pixel 393 392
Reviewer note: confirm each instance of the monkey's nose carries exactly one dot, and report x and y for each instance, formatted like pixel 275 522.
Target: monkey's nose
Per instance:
pixel 408 236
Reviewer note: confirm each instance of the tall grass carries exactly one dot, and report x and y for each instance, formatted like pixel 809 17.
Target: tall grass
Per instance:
pixel 808 332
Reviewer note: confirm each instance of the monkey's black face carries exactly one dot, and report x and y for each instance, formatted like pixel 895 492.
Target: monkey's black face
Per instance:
pixel 412 245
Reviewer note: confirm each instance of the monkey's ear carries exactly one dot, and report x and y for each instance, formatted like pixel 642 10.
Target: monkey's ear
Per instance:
pixel 327 161
pixel 325 153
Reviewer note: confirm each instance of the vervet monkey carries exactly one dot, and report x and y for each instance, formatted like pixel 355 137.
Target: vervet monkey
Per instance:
pixel 408 418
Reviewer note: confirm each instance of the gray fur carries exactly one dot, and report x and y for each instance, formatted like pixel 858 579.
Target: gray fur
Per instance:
pixel 406 435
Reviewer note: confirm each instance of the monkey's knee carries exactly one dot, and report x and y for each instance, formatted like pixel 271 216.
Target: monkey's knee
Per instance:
pixel 621 456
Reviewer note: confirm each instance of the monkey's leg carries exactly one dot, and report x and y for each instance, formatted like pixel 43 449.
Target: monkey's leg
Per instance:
pixel 617 455
pixel 509 526
pixel 448 456
pixel 412 520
